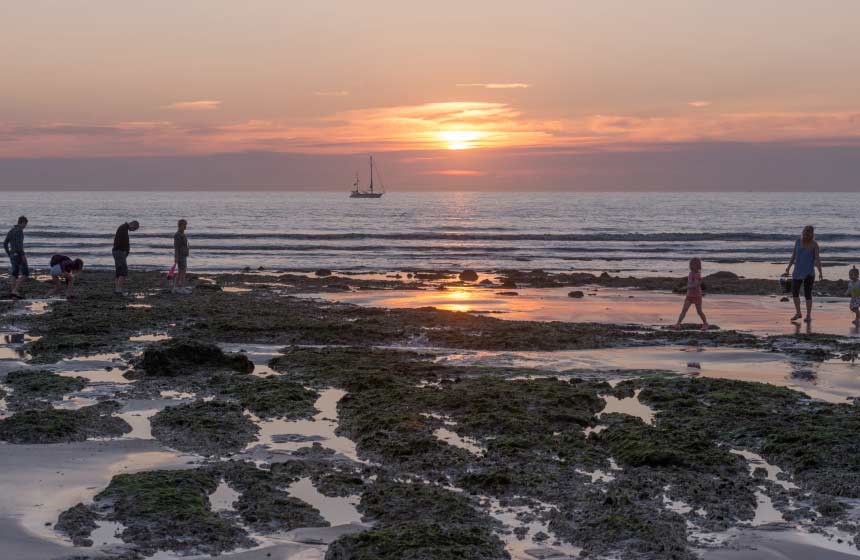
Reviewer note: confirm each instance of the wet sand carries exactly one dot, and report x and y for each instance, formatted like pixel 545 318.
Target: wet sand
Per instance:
pixel 48 479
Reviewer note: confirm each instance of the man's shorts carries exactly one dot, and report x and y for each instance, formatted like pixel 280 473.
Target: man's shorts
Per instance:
pixel 19 265
pixel 119 259
pixel 182 263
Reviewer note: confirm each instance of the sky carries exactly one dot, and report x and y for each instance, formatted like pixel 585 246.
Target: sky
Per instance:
pixel 468 94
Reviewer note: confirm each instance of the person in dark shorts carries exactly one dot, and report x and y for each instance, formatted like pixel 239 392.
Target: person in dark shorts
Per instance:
pixel 14 246
pixel 65 268
pixel 121 249
pixel 180 254
pixel 805 258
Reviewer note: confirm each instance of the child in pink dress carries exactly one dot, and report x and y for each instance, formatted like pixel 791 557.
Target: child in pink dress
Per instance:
pixel 694 294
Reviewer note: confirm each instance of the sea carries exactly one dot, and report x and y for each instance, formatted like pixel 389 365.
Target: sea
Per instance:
pixel 638 234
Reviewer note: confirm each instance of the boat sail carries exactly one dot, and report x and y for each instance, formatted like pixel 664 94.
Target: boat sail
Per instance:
pixel 358 192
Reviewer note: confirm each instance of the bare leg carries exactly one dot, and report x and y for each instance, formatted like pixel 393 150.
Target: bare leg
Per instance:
pixel 798 314
pixel 702 316
pixel 120 280
pixel 809 311
pixel 683 314
pixel 16 284
pixel 857 317
pixel 57 289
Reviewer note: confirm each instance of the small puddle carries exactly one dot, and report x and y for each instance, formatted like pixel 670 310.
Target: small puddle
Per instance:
pixel 223 498
pixel 107 533
pixel 455 439
pixel 337 511
pixel 156 337
pixel 757 461
pixel 765 513
pixel 628 405
pixel 178 395
pixel 139 422
pixel 529 545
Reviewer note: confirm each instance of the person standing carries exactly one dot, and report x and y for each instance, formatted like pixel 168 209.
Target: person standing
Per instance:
pixel 805 258
pixel 14 246
pixel 694 294
pixel 121 249
pixel 180 254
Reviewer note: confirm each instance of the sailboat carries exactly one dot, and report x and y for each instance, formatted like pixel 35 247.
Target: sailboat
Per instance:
pixel 357 191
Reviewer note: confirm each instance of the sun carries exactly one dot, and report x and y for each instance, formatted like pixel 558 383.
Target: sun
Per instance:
pixel 460 139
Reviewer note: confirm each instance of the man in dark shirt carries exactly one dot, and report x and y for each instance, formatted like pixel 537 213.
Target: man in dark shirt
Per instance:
pixel 14 246
pixel 121 249
pixel 180 254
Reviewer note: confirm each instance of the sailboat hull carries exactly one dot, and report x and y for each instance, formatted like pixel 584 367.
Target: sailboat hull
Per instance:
pixel 359 194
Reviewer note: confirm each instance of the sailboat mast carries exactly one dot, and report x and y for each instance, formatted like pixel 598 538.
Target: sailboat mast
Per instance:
pixel 371 173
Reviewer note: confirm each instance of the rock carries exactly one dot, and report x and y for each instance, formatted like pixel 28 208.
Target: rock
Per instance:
pixel 209 428
pixel 469 275
pixel 507 293
pixel 323 272
pixel 274 397
pixel 509 284
pixel 325 535
pixel 295 438
pixel 64 426
pixel 169 510
pixel 77 523
pixel 181 355
pixel 576 294
pixel 722 275
pixel 784 299
pixel 246 270
pixel 485 282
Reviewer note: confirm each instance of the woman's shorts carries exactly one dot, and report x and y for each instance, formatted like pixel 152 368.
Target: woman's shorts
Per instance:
pixel 56 270
pixel 855 304
pixel 807 286
pixel 695 300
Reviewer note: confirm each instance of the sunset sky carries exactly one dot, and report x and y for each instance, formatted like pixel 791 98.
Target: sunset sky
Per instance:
pixel 567 95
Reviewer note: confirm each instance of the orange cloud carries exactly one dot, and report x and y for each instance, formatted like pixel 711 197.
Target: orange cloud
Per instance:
pixel 451 125
pixel 202 105
pixel 339 93
pixel 698 104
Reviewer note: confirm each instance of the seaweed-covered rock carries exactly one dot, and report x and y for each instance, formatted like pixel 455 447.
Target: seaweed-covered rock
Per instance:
pixel 169 510
pixel 468 275
pixel 78 523
pixel 264 503
pixel 178 356
pixel 420 541
pixel 208 428
pixel 420 522
pixel 274 397
pixel 41 385
pixel 63 426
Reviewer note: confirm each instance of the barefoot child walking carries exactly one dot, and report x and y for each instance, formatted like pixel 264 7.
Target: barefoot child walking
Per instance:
pixel 854 293
pixel 694 294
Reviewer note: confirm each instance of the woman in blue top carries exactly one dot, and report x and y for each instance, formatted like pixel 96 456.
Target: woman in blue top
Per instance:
pixel 805 258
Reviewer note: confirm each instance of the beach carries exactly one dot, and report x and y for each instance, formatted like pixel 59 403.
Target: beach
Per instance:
pixel 331 415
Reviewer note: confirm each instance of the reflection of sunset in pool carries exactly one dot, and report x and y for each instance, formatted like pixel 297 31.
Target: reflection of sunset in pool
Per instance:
pixel 607 305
